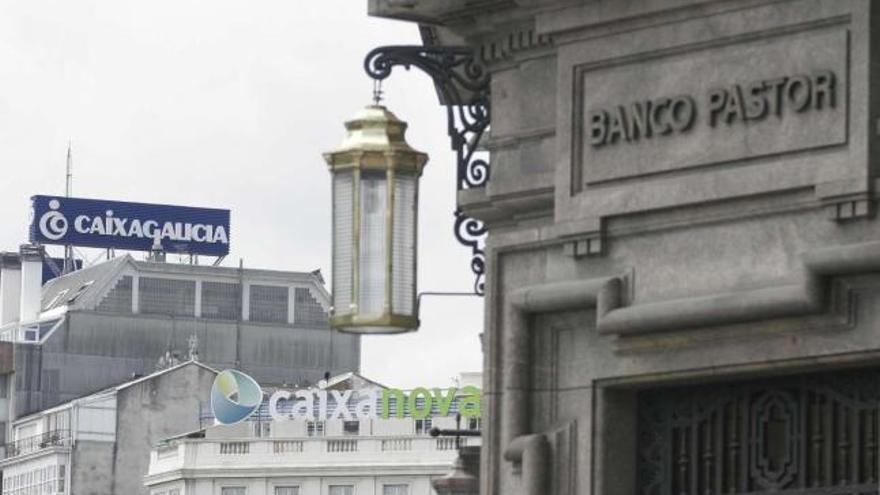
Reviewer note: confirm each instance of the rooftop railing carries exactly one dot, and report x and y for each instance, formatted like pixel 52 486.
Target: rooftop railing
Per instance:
pixel 304 452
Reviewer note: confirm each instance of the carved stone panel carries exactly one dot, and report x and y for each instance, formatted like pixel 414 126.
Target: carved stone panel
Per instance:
pixel 731 100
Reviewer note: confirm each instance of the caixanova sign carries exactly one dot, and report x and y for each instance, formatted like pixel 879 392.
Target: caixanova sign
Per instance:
pixel 419 403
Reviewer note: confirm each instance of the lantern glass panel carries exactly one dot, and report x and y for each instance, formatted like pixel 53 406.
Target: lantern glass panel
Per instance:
pixel 373 263
pixel 404 245
pixel 343 216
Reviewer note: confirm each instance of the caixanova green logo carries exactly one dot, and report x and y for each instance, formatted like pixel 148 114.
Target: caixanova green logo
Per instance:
pixel 419 403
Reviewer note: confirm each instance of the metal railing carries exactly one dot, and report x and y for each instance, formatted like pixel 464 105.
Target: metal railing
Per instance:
pixel 28 445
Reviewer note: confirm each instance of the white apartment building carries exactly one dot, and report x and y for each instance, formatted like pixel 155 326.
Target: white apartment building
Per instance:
pixel 393 456
pixel 99 444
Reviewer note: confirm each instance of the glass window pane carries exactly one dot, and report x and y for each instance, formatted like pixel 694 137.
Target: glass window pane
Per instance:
pixel 268 303
pixel 341 490
pixel 372 272
pixel 221 301
pixel 315 428
pixel 342 238
pixel 351 427
pixel 397 489
pixel 233 490
pixel 403 248
pixel 307 310
pixel 286 490
pixel 167 296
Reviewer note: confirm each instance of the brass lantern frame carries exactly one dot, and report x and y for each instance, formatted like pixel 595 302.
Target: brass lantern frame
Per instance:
pixel 390 159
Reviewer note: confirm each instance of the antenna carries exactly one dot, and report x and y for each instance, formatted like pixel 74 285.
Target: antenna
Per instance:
pixel 69 261
pixel 68 182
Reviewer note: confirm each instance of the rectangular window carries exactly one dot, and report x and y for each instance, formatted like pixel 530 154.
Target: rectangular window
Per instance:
pixel 221 301
pixel 79 291
pixel 174 491
pixel 233 490
pixel 315 428
pixel 396 489
pixel 165 296
pixel 262 429
pixel 341 490
pixel 268 303
pixel 59 297
pixel 307 310
pixel 286 490
pixel 423 426
pixel 351 427
pixel 61 481
pixel 473 424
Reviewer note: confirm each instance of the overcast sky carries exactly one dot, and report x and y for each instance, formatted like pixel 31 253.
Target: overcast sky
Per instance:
pixel 228 104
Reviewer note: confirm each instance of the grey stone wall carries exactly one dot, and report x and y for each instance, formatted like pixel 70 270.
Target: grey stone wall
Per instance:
pixel 92 471
pixel 733 236
pixel 149 412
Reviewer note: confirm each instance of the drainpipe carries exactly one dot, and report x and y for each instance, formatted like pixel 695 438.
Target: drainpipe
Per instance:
pixel 10 287
pixel 31 282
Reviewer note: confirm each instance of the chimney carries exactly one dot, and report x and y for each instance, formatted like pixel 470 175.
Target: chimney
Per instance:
pixel 31 282
pixel 10 287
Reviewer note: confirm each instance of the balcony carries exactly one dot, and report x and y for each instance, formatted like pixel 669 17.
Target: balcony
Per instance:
pixel 300 456
pixel 36 443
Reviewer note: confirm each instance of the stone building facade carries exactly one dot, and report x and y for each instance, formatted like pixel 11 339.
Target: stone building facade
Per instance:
pixel 683 251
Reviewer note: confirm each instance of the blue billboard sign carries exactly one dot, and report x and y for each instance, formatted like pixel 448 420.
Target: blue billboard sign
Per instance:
pixel 131 226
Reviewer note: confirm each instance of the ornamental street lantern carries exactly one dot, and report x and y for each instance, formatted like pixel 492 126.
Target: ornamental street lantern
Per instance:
pixel 375 211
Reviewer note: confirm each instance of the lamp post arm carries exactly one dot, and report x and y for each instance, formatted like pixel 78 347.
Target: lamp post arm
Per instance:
pixel 464 85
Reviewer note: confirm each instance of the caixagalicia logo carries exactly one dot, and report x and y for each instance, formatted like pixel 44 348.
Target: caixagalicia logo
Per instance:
pixel 234 397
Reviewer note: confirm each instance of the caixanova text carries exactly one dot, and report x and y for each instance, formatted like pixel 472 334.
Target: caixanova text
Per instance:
pixel 421 403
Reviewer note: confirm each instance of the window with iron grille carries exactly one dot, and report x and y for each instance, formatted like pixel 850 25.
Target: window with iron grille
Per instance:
pixel 118 300
pixel 308 311
pixel 811 434
pixel 165 296
pixel 221 301
pixel 268 303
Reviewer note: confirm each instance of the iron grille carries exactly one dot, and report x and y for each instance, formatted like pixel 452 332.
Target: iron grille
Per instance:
pixel 810 434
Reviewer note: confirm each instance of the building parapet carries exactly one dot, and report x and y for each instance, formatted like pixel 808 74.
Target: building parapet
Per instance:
pixel 303 453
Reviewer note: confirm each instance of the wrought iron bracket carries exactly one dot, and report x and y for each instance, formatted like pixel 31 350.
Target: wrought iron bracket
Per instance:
pixel 463 85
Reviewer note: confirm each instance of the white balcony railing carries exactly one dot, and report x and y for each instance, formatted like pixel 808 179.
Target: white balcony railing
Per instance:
pixel 303 452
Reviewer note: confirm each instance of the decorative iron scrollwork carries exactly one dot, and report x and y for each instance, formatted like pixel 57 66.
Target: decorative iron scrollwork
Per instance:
pixel 814 434
pixel 464 89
